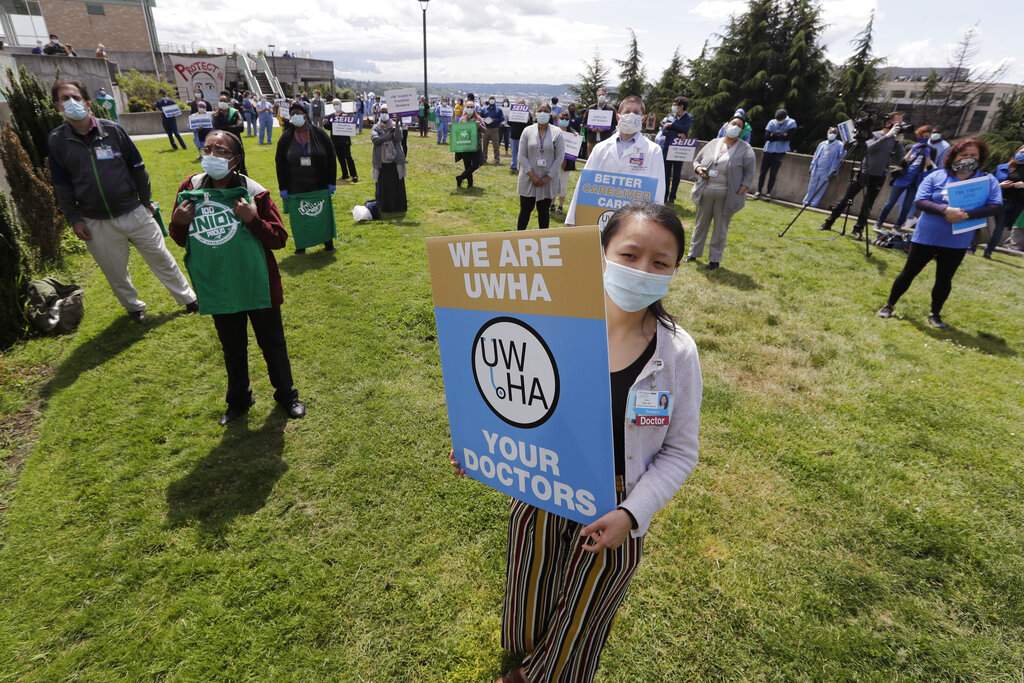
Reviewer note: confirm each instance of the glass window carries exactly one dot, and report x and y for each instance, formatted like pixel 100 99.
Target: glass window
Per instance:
pixel 899 93
pixel 977 121
pixel 985 99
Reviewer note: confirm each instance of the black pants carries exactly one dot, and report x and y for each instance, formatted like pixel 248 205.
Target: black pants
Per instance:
pixel 526 205
pixel 470 162
pixel 234 340
pixel 423 126
pixel 770 163
pixel 172 132
pixel 1004 220
pixel 872 185
pixel 343 148
pixel 947 260
pixel 405 142
pixel 673 172
pixel 504 135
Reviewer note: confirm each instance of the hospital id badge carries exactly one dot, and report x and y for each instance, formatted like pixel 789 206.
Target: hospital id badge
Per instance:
pixel 712 173
pixel 104 153
pixel 541 163
pixel 305 161
pixel 650 408
pixel 637 161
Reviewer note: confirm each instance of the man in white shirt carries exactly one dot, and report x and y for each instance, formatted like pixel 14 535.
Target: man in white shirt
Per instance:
pixel 627 151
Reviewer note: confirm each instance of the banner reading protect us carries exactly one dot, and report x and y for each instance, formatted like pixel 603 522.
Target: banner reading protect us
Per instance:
pixel 524 354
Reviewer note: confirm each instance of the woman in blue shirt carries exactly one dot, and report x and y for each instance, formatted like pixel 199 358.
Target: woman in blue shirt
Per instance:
pixel 934 237
pixel 918 162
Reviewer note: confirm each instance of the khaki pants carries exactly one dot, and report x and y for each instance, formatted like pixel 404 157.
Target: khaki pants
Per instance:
pixel 109 246
pixel 491 138
pixel 711 208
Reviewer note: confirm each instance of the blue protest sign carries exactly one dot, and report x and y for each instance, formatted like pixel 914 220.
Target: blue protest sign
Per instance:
pixel 600 194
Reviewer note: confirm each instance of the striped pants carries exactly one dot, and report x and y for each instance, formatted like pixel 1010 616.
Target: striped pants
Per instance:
pixel 560 600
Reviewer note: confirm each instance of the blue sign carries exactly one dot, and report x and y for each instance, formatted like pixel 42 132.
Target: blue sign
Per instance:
pixel 600 194
pixel 967 195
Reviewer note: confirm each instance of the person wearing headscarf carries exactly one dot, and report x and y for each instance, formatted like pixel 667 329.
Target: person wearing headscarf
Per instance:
pixel 388 163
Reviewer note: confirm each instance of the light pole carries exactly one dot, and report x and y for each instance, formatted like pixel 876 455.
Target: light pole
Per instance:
pixel 426 95
pixel 271 49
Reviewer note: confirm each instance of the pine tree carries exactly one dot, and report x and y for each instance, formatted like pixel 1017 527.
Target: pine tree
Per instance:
pixel 805 74
pixel 594 76
pixel 32 113
pixel 672 84
pixel 858 79
pixel 633 73
pixel 12 277
pixel 33 197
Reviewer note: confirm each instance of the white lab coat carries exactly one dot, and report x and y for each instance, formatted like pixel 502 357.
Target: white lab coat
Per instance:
pixel 605 157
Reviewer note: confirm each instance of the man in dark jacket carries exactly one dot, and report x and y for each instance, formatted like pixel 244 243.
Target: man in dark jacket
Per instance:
pixel 227 117
pixel 170 122
pixel 103 190
pixel 597 134
pixel 493 116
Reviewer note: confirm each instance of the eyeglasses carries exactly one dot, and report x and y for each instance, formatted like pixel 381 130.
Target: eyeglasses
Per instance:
pixel 222 152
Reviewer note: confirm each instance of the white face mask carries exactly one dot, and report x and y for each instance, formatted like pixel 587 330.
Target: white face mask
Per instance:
pixel 543 117
pixel 633 290
pixel 831 137
pixel 223 105
pixel 601 99
pixel 629 123
pixel 297 120
pixel 732 131
pixel 469 111
pixel 74 110
pixel 935 137
pixel 215 167
pixel 384 116
pixel 337 108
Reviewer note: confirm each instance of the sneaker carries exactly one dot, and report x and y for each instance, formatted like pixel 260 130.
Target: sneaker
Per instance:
pixel 137 316
pixel 756 195
pixel 935 320
pixel 885 311
pixel 767 196
pixel 192 307
pixel 988 255
pixel 857 234
pixel 824 226
pixel 712 265
pixel 689 259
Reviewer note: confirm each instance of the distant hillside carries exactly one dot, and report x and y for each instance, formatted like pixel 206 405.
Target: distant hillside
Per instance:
pixel 502 89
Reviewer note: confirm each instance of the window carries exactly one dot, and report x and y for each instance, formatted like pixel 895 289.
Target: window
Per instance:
pixel 985 99
pixel 92 8
pixel 977 121
pixel 897 94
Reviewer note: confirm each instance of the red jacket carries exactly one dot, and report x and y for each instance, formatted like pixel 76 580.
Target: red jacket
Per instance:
pixel 267 227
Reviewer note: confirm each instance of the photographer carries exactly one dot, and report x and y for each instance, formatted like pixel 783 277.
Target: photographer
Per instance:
pixel 877 151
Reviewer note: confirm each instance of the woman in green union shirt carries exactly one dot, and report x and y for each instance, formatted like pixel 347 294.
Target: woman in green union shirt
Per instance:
pixel 228 224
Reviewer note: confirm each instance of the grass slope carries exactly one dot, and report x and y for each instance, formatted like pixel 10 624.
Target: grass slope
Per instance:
pixel 856 514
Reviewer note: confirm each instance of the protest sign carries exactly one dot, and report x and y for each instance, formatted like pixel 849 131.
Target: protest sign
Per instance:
pixel 681 149
pixel 463 137
pixel 447 111
pixel 651 121
pixel 225 261
pixel 311 215
pixel 344 125
pixel 600 194
pixel 599 119
pixel 524 354
pixel 573 144
pixel 402 102
pixel 847 131
pixel 197 121
pixel 171 110
pixel 201 72
pixel 519 113
pixel 967 195
pixel 406 121
pixel 506 111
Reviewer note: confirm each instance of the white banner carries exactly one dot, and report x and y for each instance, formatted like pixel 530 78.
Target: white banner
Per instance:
pixel 573 143
pixel 203 72
pixel 519 113
pixel 681 149
pixel 599 119
pixel 404 102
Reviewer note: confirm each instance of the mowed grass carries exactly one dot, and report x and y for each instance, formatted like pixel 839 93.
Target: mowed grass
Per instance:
pixel 857 512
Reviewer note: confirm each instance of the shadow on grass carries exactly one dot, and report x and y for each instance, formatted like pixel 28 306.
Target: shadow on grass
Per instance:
pixel 113 340
pixel 740 281
pixel 683 211
pixel 234 479
pixel 468 191
pixel 296 264
pixel 982 341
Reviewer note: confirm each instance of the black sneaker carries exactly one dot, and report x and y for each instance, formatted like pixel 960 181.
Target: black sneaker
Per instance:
pixel 935 320
pixel 192 307
pixel 137 316
pixel 689 259
pixel 712 265
pixel 824 226
pixel 885 311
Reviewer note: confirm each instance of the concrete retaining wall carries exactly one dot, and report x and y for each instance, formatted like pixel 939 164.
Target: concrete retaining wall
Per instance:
pixel 150 123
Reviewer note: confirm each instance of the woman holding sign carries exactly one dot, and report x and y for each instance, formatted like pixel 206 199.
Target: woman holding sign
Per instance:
pixel 306 170
pixel 341 126
pixel 937 235
pixel 541 152
pixel 725 170
pixel 228 253
pixel 565 581
pixel 471 160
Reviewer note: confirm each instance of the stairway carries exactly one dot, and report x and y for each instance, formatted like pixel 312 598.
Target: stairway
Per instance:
pixel 265 87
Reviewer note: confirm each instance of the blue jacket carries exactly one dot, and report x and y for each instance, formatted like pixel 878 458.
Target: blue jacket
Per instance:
pixel 777 129
pixel 680 124
pixel 492 111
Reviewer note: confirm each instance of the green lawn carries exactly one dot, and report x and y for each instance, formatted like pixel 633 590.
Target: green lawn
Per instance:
pixel 857 512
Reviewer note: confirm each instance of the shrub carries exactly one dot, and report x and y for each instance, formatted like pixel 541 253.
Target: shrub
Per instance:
pixel 33 198
pixel 136 105
pixel 143 87
pixel 13 278
pixel 32 114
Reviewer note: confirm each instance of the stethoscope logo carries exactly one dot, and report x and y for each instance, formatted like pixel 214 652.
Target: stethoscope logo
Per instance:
pixel 515 372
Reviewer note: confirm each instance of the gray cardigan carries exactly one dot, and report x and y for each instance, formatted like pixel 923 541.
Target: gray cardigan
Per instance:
pixel 742 164
pixel 382 133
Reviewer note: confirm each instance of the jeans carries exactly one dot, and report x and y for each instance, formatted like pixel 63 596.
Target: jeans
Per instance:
pixel 908 194
pixel 250 122
pixel 266 126
pixel 515 155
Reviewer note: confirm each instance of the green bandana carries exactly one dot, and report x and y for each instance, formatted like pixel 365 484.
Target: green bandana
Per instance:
pixel 226 262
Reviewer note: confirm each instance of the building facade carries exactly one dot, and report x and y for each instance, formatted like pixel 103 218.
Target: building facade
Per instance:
pixel 117 24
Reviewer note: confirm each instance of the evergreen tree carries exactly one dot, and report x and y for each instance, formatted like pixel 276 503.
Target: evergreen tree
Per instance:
pixel 633 73
pixel 32 114
pixel 594 76
pixel 858 79
pixel 672 84
pixel 805 74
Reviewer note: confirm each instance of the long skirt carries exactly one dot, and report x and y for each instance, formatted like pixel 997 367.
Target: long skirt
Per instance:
pixel 390 193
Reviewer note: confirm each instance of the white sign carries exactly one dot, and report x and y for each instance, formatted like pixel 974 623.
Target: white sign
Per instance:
pixel 599 119
pixel 402 102
pixel 519 113
pixel 348 107
pixel 847 130
pixel 344 126
pixel 171 110
pixel 447 112
pixel 506 112
pixel 573 144
pixel 202 72
pixel 406 121
pixel 681 149
pixel 197 121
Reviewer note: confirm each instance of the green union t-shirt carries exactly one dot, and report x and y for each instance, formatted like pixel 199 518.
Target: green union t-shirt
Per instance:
pixel 312 218
pixel 226 262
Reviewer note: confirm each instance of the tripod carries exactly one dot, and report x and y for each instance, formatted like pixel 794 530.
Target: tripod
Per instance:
pixel 856 155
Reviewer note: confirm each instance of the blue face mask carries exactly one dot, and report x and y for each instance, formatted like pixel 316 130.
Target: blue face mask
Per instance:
pixel 1019 157
pixel 215 167
pixel 74 110
pixel 633 290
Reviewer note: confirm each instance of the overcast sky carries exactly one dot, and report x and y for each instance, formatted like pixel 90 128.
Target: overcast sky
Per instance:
pixel 545 41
